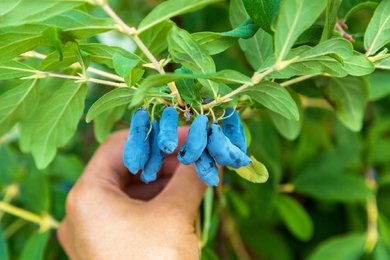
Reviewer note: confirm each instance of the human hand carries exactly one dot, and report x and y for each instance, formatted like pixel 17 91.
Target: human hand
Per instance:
pixel 112 215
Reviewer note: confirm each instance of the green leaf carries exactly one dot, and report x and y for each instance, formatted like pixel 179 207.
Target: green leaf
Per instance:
pixel 57 122
pixel 295 16
pixel 334 187
pixel 344 247
pixel 51 33
pixel 263 12
pixel 123 65
pixel 362 6
pixel 157 80
pixel 347 7
pixel 358 65
pixel 289 129
pixel 169 9
pixel 34 191
pixel 186 51
pixel 295 217
pixel 155 38
pixel 20 12
pixel 331 19
pixel 379 84
pixel 349 97
pixel 15 69
pixel 18 104
pixel 9 168
pixel 383 63
pixel 71 25
pixel 274 97
pixel 383 228
pixel 239 203
pixel 98 53
pixel 378 30
pixel 104 122
pixel 258 48
pixel 254 172
pixel 186 87
pixel 35 246
pixel 114 98
pixel 215 43
pixel 67 167
pixel 3 247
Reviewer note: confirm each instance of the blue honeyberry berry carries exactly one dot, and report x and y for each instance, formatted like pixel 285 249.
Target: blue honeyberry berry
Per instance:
pixel 196 141
pixel 207 169
pixel 137 149
pixel 156 158
pixel 223 151
pixel 233 129
pixel 167 137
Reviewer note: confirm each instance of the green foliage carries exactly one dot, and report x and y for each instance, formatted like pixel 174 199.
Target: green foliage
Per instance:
pixel 314 105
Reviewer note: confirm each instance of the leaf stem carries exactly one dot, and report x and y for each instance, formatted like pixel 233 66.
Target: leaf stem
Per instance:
pixel 10 192
pixel 285 188
pixel 105 82
pixel 45 222
pixel 372 212
pixel 255 80
pixel 132 32
pixel 296 80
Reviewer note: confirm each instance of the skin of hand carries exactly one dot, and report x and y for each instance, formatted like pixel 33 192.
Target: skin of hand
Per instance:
pixel 111 214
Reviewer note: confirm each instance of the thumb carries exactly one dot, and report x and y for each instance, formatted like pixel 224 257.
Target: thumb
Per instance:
pixel 184 191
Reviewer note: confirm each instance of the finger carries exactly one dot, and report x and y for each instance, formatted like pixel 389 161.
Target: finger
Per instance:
pixel 184 191
pixel 64 236
pixel 107 162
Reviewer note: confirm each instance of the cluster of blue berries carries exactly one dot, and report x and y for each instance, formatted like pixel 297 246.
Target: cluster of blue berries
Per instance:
pixel 147 143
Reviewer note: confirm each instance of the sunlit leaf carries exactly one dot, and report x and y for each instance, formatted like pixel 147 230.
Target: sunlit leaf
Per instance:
pixel 254 172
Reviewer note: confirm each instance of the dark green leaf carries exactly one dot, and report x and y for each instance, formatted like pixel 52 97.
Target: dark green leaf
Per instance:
pixel 18 104
pixel 258 48
pixel 9 167
pixel 254 172
pixel 57 122
pixel 289 129
pixel 383 228
pixel 186 87
pixel 295 217
pixel 362 6
pixel 378 30
pixel 170 9
pixel 349 97
pixel 293 19
pixel 114 98
pixel 331 18
pixel 215 43
pixel 35 246
pixel 379 84
pixel 34 191
pixel 104 122
pixel 3 247
pixel 333 187
pixel 263 12
pixel 346 7
pixel 274 97
pixel 345 247
pixel 67 167
pixel 238 203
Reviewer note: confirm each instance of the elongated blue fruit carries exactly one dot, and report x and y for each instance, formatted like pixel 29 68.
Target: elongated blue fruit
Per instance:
pixel 223 151
pixel 156 157
pixel 196 141
pixel 167 137
pixel 137 149
pixel 233 129
pixel 206 169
